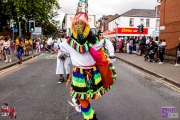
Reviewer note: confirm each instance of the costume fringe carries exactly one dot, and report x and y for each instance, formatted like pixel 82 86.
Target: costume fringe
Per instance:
pixel 80 48
pixel 95 95
pixel 112 68
pixel 88 113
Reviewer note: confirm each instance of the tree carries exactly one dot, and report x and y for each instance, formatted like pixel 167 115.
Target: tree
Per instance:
pixel 39 10
pixel 48 28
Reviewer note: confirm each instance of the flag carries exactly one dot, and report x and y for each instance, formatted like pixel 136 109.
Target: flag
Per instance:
pixel 8 111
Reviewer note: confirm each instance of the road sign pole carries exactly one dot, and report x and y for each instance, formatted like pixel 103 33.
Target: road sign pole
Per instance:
pixel 13 34
pixel 32 41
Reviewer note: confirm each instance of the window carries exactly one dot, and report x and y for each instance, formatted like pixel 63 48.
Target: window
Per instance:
pixel 142 21
pixel 157 22
pixel 147 22
pixel 131 22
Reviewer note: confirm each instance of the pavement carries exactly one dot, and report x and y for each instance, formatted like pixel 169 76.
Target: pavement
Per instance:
pixel 4 65
pixel 167 71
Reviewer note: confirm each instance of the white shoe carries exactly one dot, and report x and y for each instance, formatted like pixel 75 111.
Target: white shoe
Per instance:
pixel 6 61
pixel 10 60
pixel 160 63
pixel 74 104
pixel 176 65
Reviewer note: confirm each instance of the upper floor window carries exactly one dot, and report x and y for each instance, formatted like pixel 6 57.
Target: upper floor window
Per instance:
pixel 131 22
pixel 142 21
pixel 147 22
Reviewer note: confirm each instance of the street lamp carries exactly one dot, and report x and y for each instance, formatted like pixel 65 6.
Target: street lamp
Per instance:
pixel 158 1
pixel 116 34
pixel 116 29
pixel 19 27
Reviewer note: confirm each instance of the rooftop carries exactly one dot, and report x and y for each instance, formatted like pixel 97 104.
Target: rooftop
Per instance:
pixel 140 13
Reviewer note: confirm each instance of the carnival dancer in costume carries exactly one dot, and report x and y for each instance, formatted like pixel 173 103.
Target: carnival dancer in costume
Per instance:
pixel 93 74
pixel 63 60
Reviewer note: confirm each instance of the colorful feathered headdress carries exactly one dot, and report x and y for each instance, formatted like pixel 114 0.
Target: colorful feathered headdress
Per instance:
pixel 81 17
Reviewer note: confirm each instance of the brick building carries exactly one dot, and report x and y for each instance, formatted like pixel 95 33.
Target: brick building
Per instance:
pixel 102 23
pixel 170 24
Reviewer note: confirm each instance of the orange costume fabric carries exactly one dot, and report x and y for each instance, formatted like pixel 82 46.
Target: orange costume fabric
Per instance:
pixel 106 73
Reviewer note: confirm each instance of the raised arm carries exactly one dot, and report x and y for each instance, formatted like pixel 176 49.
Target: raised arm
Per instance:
pixel 110 48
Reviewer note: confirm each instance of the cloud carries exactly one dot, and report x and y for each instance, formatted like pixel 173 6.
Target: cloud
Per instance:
pixel 105 7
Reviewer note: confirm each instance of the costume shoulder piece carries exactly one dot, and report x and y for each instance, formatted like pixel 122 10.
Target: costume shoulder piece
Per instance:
pixel 78 47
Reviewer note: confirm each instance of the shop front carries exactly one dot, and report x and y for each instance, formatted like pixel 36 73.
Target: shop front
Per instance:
pixel 124 32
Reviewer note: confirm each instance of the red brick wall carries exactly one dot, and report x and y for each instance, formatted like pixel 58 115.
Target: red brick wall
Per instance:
pixel 170 18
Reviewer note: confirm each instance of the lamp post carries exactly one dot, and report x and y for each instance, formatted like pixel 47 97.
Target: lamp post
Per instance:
pixel 19 27
pixel 116 34
pixel 116 29
pixel 13 32
pixel 156 19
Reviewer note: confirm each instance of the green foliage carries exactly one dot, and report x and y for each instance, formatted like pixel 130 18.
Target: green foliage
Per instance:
pixel 19 10
pixel 48 28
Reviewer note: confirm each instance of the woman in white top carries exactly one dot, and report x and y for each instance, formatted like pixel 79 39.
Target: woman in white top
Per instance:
pixel 38 46
pixel 6 49
pixel 1 46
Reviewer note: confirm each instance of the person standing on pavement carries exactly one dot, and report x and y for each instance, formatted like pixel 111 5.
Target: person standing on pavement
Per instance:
pixel 38 45
pixel 164 45
pixel 6 49
pixel 63 59
pixel 141 46
pixel 130 45
pixel 14 46
pixel 1 46
pixel 27 46
pixel 127 46
pixel 50 43
pixel 42 46
pixel 151 48
pixel 120 46
pixel 19 53
pixel 34 44
pixel 161 52
pixel 178 54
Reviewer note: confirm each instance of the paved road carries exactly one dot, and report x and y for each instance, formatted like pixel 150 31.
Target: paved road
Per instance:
pixel 32 88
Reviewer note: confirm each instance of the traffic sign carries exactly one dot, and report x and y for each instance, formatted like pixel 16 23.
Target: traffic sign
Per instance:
pixel 15 30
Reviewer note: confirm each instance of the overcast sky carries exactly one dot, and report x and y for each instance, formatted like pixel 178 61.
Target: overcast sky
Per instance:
pixel 105 7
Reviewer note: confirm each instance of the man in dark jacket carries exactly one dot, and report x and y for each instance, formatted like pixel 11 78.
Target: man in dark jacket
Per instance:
pixel 151 47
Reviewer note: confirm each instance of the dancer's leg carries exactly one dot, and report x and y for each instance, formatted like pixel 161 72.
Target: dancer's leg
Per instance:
pixel 86 109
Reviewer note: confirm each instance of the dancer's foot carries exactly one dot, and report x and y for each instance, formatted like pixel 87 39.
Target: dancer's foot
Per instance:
pixel 76 104
pixel 94 118
pixel 61 80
